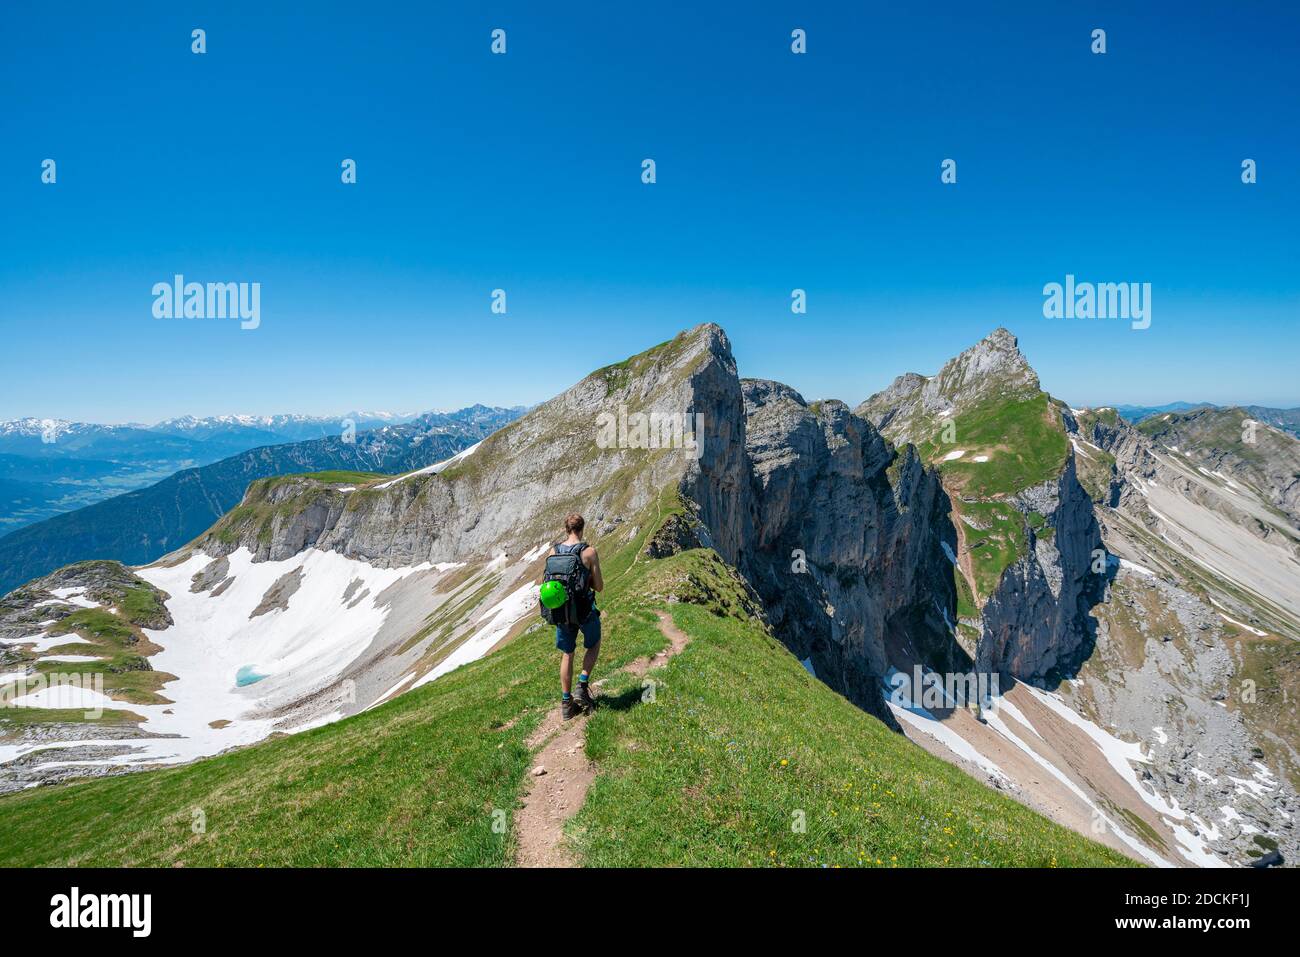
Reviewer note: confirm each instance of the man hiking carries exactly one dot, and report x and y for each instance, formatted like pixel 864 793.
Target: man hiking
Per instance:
pixel 576 563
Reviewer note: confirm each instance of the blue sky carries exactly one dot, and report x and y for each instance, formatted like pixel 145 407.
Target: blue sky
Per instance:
pixel 522 172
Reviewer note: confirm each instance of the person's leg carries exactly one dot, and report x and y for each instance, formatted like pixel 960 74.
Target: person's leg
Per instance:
pixel 566 672
pixel 591 644
pixel 566 641
pixel 589 658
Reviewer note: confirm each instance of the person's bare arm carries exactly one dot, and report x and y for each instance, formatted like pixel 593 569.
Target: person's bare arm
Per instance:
pixel 597 580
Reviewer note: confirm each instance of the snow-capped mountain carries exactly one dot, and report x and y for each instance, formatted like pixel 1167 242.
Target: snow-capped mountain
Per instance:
pixel 47 429
pixel 278 428
pixel 61 436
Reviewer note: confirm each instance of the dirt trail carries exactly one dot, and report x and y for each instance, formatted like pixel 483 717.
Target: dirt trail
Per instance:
pixel 561 774
pixel 677 640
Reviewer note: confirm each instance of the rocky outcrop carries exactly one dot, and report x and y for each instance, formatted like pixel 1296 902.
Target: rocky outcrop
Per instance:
pixel 103 583
pixel 1037 584
pixel 1037 625
pixel 847 551
pixel 718 480
pixel 992 369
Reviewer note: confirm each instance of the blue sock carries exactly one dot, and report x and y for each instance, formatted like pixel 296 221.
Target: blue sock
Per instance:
pixel 565 696
pixel 582 678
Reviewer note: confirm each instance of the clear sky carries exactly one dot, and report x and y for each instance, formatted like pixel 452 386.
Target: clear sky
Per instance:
pixel 523 172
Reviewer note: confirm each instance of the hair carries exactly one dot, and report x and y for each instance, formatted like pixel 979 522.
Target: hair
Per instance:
pixel 575 523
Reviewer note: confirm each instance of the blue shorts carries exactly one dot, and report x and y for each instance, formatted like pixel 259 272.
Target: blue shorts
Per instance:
pixel 566 636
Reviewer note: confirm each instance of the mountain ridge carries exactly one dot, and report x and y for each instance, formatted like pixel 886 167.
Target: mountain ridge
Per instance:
pixel 142 525
pixel 663 518
pixel 849 550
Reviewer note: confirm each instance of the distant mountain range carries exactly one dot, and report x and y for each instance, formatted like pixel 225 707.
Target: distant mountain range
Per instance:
pixel 141 525
pixel 283 428
pixel 1286 419
pixel 1136 413
pixel 49 466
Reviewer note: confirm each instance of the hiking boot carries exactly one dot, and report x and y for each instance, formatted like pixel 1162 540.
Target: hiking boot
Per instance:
pixel 583 697
pixel 569 708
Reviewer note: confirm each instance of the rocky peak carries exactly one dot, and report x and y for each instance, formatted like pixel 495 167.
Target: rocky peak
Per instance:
pixel 587 449
pixel 993 368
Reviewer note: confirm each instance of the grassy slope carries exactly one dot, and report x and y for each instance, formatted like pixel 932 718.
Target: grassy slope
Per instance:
pixel 738 739
pixel 1025 444
pixel 343 476
pixel 1023 438
pixel 741 744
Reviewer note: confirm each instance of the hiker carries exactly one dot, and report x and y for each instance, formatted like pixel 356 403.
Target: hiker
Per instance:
pixel 575 565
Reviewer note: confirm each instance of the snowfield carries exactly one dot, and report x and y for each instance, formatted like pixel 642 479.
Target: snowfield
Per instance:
pixel 267 647
pixel 301 648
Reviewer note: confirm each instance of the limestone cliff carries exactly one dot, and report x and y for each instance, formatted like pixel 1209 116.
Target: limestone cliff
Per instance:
pixel 1037 624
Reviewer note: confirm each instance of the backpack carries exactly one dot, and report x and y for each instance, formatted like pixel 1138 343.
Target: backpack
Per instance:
pixel 564 565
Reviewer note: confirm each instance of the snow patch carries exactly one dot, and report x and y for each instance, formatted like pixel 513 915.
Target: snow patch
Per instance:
pixel 431 469
pixel 538 552
pixel 68 696
pixel 68 596
pixel 42 642
pixel 1241 624
pixel 948 738
pixel 1135 567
